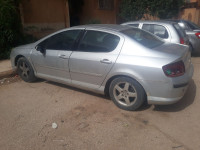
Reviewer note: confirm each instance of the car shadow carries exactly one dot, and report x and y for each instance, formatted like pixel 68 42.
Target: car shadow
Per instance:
pixel 186 101
pixel 77 89
pixel 106 97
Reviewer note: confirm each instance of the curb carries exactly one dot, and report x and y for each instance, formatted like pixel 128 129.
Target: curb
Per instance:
pixel 6 74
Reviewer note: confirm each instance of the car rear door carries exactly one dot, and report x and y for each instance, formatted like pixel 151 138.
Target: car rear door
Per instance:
pixel 94 57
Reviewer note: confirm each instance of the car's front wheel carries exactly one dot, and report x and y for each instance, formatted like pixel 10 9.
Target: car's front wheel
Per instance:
pixel 25 70
pixel 127 93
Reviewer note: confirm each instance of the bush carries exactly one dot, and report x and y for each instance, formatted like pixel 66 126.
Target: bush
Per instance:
pixel 136 9
pixel 10 27
pixel 94 21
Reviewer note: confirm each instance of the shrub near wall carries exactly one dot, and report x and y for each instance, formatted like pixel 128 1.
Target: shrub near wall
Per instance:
pixel 131 10
pixel 10 27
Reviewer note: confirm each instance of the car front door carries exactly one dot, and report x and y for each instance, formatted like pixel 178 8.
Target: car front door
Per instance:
pixel 94 57
pixel 53 62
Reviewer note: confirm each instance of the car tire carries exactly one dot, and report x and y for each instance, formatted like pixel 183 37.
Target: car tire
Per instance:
pixel 127 93
pixel 25 70
pixel 191 48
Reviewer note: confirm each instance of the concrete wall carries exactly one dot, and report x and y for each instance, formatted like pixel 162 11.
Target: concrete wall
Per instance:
pixel 43 16
pixel 192 14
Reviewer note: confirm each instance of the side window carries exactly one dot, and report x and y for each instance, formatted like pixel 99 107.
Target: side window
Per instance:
pixel 134 25
pixel 158 30
pixel 96 41
pixel 148 27
pixel 61 41
pixel 161 31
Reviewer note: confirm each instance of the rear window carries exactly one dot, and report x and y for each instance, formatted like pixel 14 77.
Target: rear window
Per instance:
pixel 158 30
pixel 192 25
pixel 134 25
pixel 143 37
pixel 180 31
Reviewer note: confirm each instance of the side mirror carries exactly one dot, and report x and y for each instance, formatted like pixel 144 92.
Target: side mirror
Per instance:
pixel 40 48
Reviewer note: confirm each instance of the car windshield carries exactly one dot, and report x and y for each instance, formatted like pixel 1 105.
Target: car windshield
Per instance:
pixel 143 37
pixel 192 25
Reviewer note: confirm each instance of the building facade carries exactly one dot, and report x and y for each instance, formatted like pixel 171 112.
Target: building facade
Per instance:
pixel 191 11
pixel 41 17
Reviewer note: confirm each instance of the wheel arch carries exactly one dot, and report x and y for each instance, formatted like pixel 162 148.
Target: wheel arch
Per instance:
pixel 17 58
pixel 107 85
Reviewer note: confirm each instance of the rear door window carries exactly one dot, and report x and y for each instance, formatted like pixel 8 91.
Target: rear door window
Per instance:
pixel 143 37
pixel 97 41
pixel 158 30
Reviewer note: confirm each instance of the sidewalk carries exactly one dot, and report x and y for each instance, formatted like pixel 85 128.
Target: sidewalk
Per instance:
pixel 5 69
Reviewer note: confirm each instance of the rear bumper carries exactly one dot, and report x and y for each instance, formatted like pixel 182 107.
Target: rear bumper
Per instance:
pixel 171 92
pixel 168 100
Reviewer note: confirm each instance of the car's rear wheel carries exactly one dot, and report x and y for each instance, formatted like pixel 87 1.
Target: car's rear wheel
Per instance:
pixel 25 70
pixel 127 93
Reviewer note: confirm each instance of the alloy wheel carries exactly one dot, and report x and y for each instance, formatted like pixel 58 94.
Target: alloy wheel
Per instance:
pixel 125 93
pixel 24 69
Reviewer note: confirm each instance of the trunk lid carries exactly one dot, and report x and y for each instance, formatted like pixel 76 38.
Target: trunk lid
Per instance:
pixel 177 52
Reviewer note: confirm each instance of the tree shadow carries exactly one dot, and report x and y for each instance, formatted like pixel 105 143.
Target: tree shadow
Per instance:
pixel 186 101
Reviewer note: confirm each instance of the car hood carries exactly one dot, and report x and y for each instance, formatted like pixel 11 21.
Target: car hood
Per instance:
pixel 172 49
pixel 27 46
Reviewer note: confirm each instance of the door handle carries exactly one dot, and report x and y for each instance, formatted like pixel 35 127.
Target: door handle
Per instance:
pixel 62 56
pixel 106 61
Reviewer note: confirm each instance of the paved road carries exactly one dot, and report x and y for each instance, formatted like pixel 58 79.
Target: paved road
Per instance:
pixel 89 121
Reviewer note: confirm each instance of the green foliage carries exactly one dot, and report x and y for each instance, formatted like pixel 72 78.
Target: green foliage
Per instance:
pixel 133 9
pixel 10 26
pixel 94 21
pixel 163 9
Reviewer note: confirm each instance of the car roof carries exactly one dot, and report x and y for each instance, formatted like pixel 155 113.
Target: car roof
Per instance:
pixel 178 20
pixel 173 20
pixel 166 22
pixel 112 27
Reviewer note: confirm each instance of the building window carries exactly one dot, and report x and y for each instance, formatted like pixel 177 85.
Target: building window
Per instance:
pixel 106 4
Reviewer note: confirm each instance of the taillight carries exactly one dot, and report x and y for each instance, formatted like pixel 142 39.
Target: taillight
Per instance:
pixel 198 34
pixel 182 41
pixel 175 69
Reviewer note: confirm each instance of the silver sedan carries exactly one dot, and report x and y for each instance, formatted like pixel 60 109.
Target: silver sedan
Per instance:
pixel 128 64
pixel 193 32
pixel 166 30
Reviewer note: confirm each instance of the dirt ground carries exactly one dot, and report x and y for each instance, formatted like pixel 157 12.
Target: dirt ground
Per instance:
pixel 91 122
